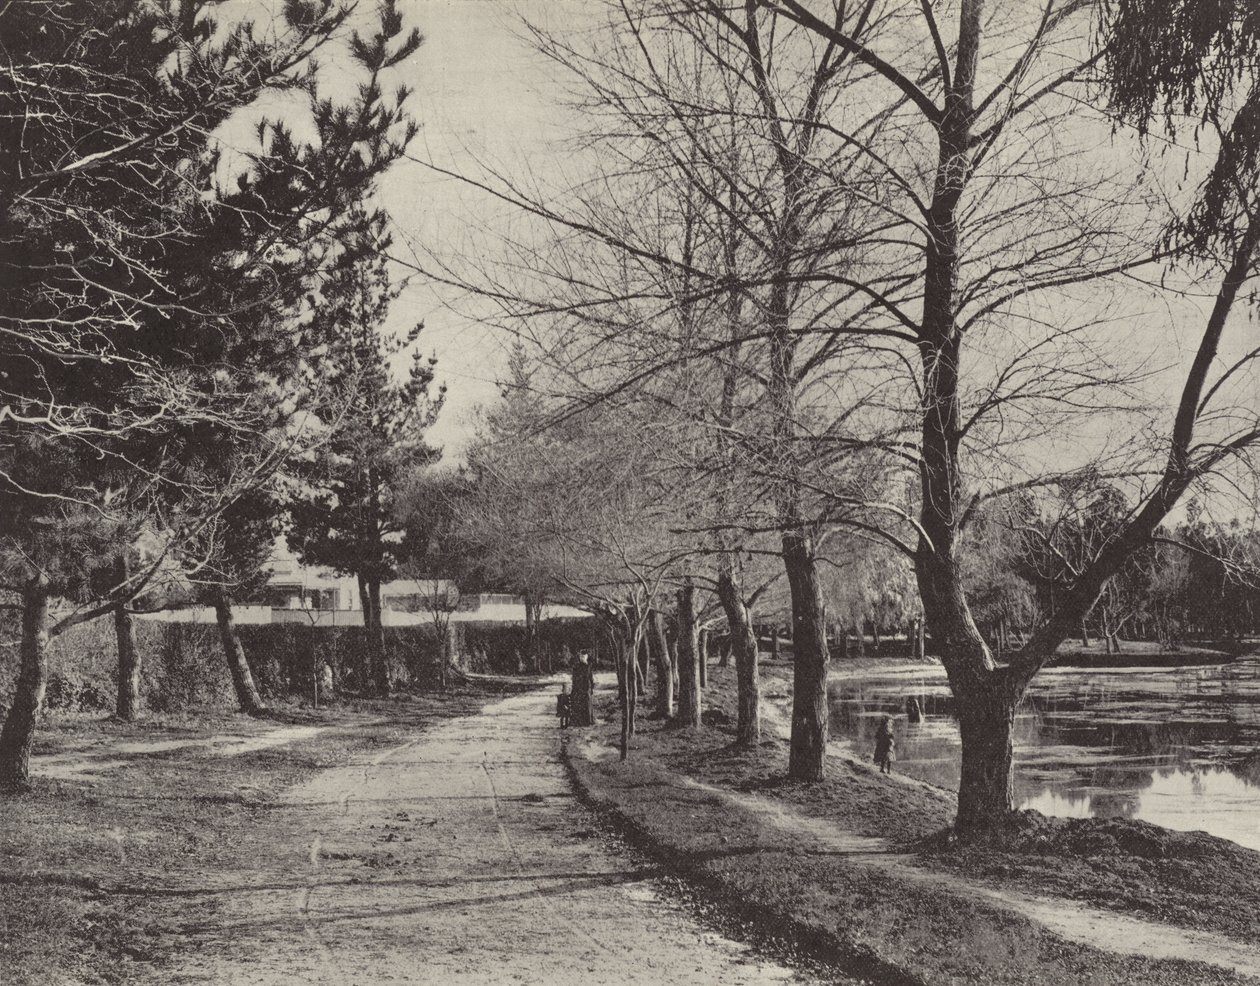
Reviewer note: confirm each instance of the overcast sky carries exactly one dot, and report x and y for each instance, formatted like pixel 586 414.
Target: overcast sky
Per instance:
pixel 481 95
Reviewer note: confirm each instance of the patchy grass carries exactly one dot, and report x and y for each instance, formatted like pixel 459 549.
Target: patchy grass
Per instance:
pixel 88 869
pixel 787 879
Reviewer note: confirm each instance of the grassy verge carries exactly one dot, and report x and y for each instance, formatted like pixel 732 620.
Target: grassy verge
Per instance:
pixel 785 878
pixel 90 870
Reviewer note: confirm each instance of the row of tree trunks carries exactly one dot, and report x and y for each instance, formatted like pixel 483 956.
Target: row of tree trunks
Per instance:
pixel 28 693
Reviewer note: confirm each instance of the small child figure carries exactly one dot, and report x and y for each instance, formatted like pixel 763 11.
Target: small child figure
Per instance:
pixel 562 706
pixel 884 745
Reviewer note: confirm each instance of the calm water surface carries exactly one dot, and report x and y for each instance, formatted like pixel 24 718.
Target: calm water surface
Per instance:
pixel 1179 747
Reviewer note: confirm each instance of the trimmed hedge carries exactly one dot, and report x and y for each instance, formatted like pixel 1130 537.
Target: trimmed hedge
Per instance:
pixel 183 666
pixel 501 648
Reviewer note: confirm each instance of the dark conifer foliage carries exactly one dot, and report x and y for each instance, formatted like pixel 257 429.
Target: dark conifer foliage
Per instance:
pixel 152 290
pixel 346 513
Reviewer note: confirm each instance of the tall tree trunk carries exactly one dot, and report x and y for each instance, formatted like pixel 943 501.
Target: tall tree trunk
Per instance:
pixel 28 693
pixel 640 656
pixel 688 658
pixel 623 647
pixel 127 707
pixel 743 643
pixel 444 654
pixel 533 614
pixel 242 678
pixel 808 755
pixel 704 659
pixel 632 689
pixel 374 633
pixel 665 676
pixel 986 718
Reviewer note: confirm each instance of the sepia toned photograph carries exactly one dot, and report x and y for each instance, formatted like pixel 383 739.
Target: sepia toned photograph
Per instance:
pixel 629 492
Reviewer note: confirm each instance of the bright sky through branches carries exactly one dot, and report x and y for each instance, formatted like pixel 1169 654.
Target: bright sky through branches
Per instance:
pixel 480 95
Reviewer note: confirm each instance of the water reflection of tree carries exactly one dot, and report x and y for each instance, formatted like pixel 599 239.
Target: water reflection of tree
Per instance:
pixel 1066 715
pixel 1246 769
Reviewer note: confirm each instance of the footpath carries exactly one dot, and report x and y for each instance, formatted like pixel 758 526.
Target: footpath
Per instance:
pixel 461 857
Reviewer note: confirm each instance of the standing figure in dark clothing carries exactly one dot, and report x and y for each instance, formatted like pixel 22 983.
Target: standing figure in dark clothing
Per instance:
pixel 884 745
pixel 563 706
pixel 583 686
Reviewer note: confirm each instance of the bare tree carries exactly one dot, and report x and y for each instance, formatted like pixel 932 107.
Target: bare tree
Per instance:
pixel 1003 232
pixel 441 599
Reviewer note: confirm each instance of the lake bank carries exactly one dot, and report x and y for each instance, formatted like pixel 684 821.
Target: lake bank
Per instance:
pixel 1171 746
pixel 681 793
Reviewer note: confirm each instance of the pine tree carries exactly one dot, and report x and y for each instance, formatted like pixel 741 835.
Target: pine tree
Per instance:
pixel 346 516
pixel 144 306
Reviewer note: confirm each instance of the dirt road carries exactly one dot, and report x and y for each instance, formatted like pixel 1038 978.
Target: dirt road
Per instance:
pixel 458 858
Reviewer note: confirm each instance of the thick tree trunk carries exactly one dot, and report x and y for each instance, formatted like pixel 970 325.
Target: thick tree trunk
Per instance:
pixel 377 670
pixel 808 755
pixel 127 707
pixel 743 643
pixel 28 692
pixel 377 635
pixel 688 658
pixel 242 678
pixel 986 717
pixel 665 676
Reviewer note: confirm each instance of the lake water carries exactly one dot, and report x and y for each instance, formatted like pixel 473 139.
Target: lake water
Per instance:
pixel 1179 747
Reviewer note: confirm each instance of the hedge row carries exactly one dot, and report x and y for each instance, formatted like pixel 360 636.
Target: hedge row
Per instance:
pixel 183 666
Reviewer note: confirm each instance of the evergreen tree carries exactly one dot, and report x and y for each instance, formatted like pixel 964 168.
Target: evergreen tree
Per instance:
pixel 143 305
pixel 345 516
